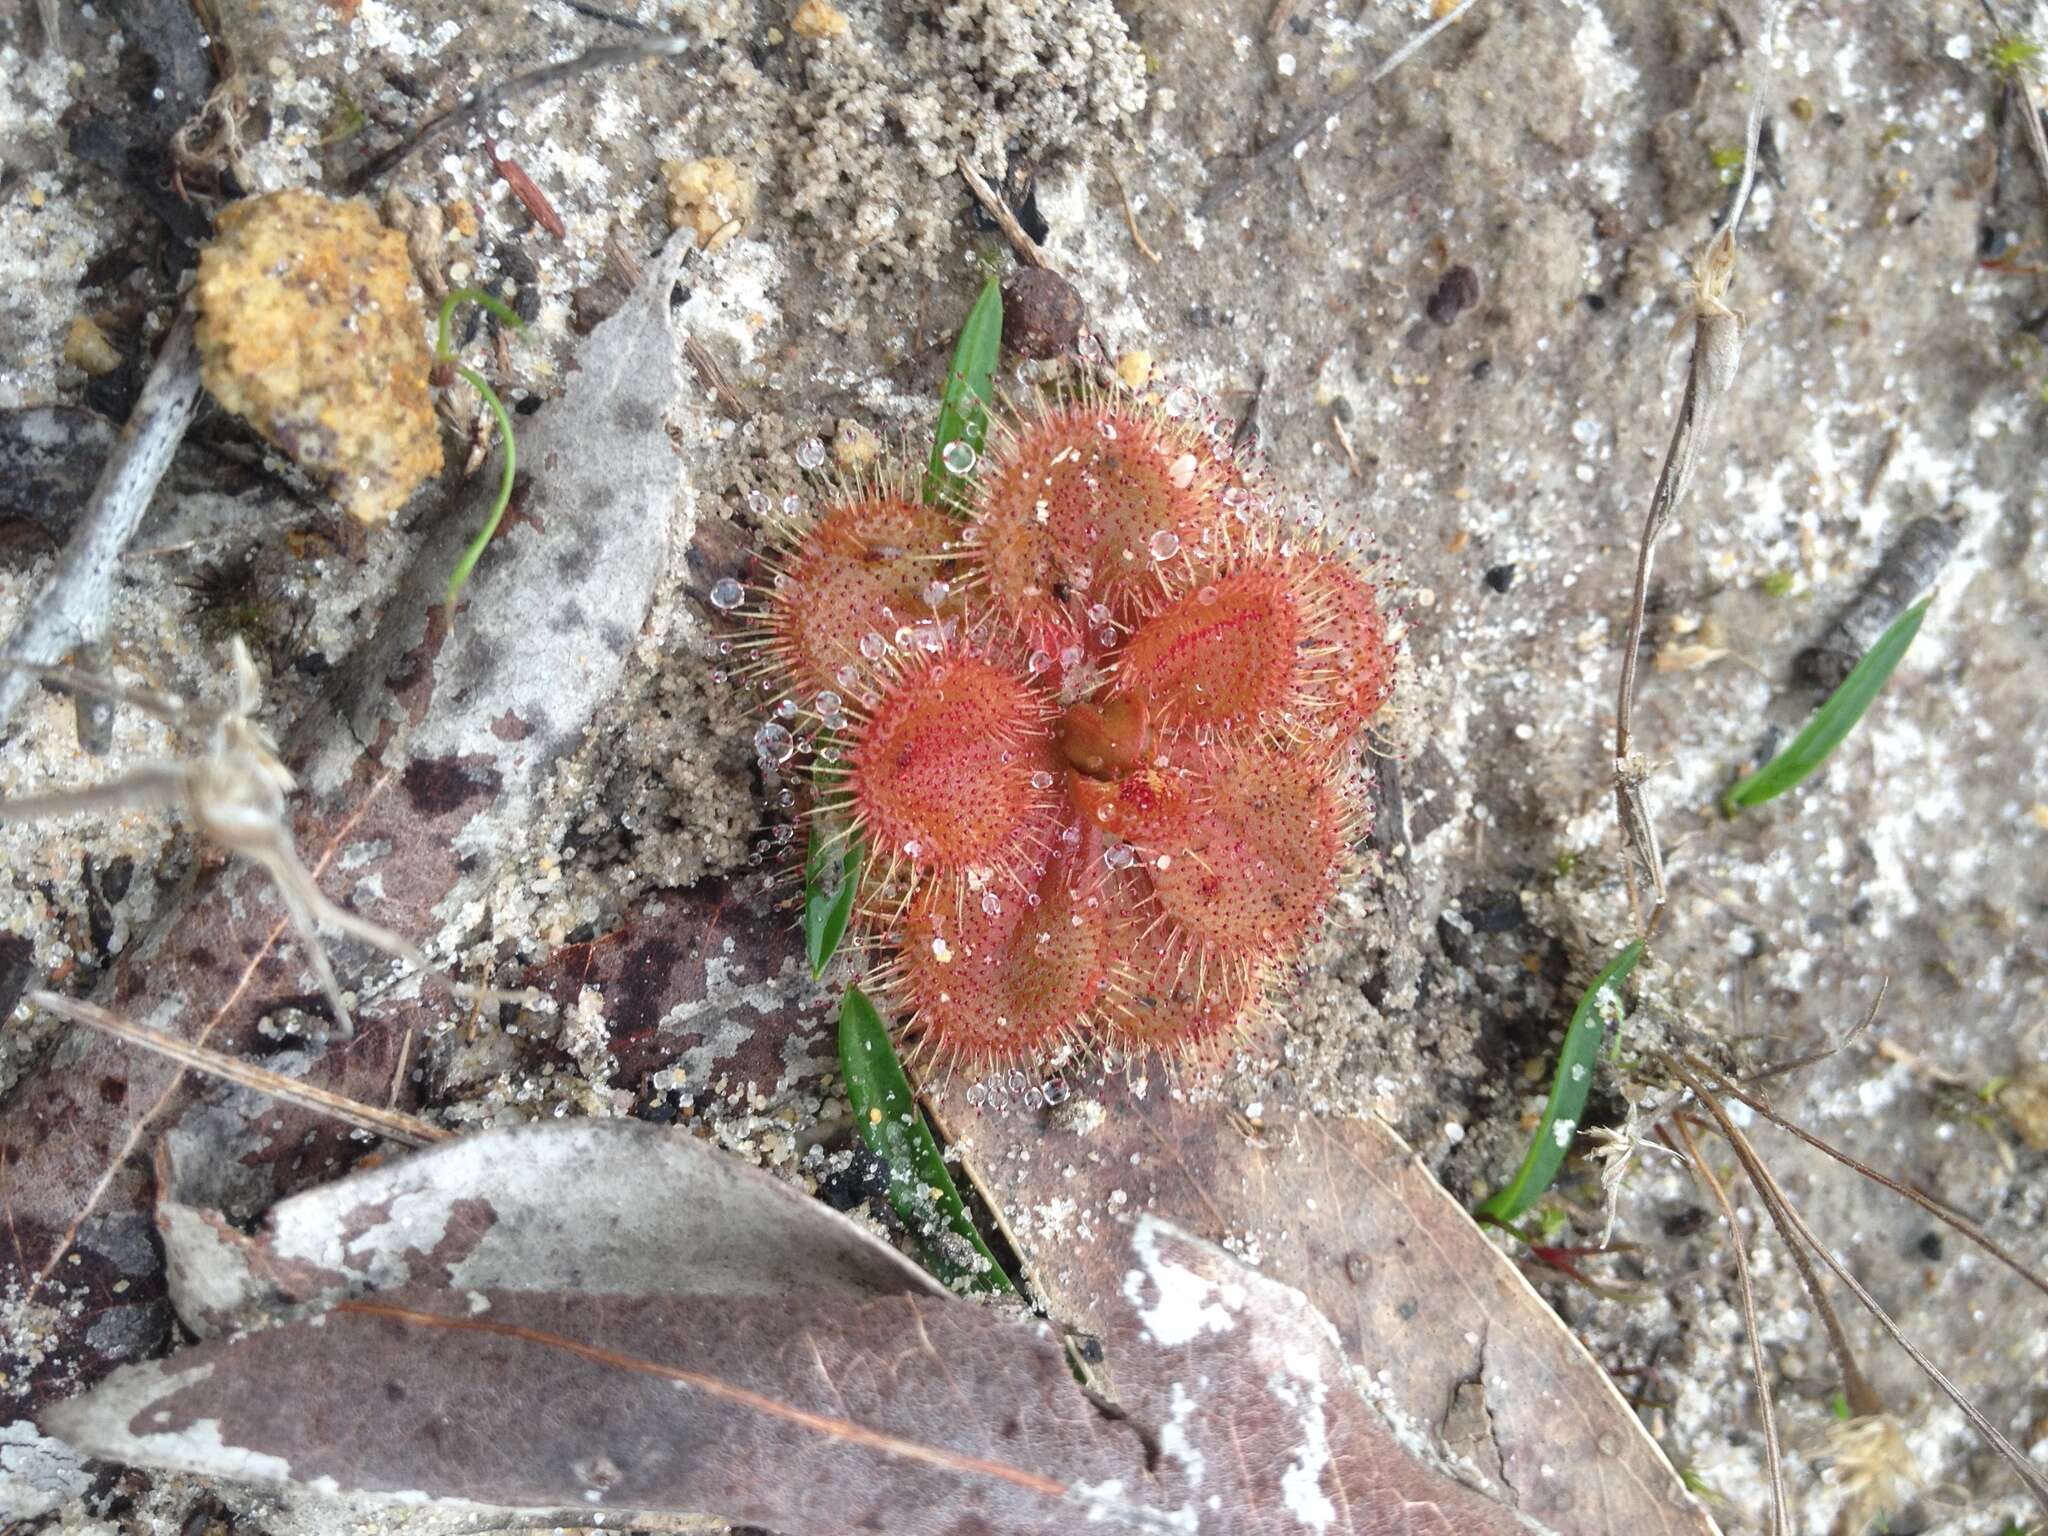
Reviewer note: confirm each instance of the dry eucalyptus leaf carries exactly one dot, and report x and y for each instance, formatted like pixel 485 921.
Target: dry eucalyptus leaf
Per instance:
pixel 616 1206
pixel 782 1369
pixel 1459 1348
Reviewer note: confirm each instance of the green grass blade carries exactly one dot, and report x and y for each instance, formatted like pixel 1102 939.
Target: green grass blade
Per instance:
pixel 1568 1090
pixel 825 916
pixel 477 546
pixel 444 353
pixel 970 386
pixel 919 1186
pixel 490 301
pixel 1833 720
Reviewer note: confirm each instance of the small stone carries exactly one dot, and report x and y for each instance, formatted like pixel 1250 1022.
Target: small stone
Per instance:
pixel 308 331
pixel 86 346
pixel 425 229
pixel 820 21
pixel 1501 577
pixel 1042 313
pixel 709 197
pixel 1135 368
pixel 1456 292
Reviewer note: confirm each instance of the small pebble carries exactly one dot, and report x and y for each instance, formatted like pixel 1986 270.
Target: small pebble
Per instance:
pixel 1456 292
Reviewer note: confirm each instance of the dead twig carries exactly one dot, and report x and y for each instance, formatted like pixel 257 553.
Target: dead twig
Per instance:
pixel 1131 218
pixel 1263 160
pixel 1781 1514
pixel 70 613
pixel 1028 250
pixel 393 1125
pixel 1710 374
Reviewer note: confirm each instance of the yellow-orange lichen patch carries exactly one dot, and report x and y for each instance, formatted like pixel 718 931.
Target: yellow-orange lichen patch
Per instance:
pixel 309 330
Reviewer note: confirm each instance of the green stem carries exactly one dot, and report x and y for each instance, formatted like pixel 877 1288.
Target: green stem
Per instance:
pixel 444 354
pixel 481 542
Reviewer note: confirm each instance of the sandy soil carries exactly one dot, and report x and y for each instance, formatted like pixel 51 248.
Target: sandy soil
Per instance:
pixel 1571 156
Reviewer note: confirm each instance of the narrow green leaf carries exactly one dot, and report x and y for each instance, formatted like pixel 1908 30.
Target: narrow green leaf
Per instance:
pixel 460 577
pixel 444 353
pixel 1568 1090
pixel 919 1186
pixel 1833 720
pixel 970 386
pixel 825 914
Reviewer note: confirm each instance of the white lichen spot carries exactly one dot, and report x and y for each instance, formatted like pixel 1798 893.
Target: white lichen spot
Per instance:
pixel 1301 1485
pixel 1184 1305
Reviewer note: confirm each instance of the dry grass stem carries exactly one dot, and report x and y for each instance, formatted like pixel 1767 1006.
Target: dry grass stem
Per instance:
pixel 713 378
pixel 1792 1226
pixel 1781 1513
pixel 1131 218
pixel 1711 371
pixel 390 1124
pixel 1933 1207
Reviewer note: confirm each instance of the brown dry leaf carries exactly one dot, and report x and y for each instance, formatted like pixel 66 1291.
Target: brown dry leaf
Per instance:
pixel 780 1367
pixel 1460 1349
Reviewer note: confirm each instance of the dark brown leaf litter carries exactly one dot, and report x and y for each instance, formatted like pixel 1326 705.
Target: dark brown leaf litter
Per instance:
pixel 1458 1346
pixel 507 1334
pixel 168 75
pixel 408 788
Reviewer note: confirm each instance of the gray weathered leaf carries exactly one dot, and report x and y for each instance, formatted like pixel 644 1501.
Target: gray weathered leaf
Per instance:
pixel 612 1206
